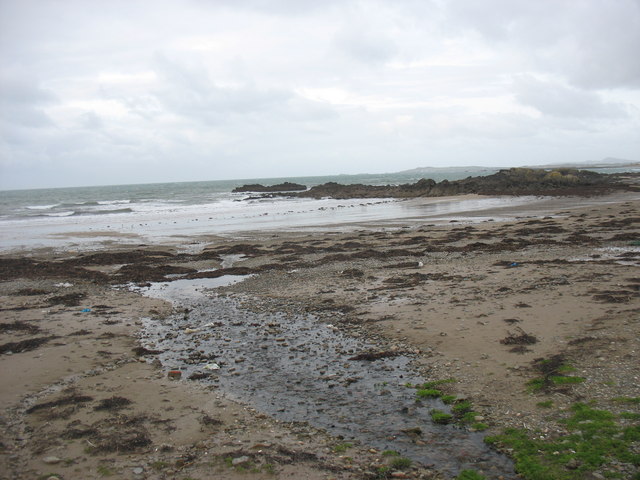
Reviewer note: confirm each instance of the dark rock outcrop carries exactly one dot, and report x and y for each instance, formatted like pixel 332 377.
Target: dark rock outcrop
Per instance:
pixel 281 187
pixel 514 181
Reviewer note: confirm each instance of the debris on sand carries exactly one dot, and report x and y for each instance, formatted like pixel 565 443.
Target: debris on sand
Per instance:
pixel 521 338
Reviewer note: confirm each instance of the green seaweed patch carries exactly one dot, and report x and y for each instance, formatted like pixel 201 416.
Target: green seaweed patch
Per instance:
pixel 440 417
pixel 562 380
pixel 428 393
pixel 400 463
pixel 342 447
pixel 479 426
pixel 470 475
pixel 461 408
pixel 594 442
pixel 448 399
pixel 630 416
pixel 435 383
pixel 390 453
pixel 553 371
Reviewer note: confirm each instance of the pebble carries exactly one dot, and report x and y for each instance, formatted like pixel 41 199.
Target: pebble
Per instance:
pixel 51 460
pixel 138 471
pixel 240 460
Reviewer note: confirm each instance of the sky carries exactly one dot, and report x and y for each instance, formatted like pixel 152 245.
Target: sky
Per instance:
pixel 141 91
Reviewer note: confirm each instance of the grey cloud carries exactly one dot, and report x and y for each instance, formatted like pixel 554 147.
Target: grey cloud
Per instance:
pixel 91 121
pixel 594 44
pixel 189 92
pixel 278 7
pixel 22 101
pixel 559 100
pixel 365 45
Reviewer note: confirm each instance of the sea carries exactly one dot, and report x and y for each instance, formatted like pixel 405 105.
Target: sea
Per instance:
pixel 87 217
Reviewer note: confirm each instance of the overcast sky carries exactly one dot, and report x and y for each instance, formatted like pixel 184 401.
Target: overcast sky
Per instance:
pixel 110 91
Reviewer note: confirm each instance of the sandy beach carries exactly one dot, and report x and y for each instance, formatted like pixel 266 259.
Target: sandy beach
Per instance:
pixel 506 303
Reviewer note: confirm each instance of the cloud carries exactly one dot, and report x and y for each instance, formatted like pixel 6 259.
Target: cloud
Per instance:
pixel 22 101
pixel 364 45
pixel 559 100
pixel 593 44
pixel 218 89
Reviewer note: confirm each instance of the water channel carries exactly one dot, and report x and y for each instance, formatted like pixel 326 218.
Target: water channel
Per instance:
pixel 298 369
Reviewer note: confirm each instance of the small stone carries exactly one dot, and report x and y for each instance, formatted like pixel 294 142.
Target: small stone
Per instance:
pixel 138 471
pixel 479 418
pixel 573 464
pixel 51 460
pixel 399 475
pixel 240 460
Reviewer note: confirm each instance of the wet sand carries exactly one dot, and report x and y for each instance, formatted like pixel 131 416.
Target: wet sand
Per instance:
pixel 475 299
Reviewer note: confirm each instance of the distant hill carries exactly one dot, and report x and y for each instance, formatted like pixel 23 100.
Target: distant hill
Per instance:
pixel 609 162
pixel 431 170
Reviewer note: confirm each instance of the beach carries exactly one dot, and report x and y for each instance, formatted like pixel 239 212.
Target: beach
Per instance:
pixel 521 308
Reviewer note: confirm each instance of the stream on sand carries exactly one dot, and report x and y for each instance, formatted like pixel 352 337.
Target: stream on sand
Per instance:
pixel 298 369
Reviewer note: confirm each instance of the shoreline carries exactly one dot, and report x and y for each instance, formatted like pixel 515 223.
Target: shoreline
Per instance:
pixel 180 228
pixel 447 290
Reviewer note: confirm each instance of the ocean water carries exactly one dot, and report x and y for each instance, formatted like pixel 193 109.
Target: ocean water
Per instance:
pixel 119 199
pixel 83 217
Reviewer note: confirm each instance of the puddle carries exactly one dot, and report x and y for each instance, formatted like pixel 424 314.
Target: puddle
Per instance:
pixel 621 255
pixel 299 370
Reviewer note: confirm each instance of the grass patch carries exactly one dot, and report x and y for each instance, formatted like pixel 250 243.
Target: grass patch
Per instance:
pixel 545 404
pixel 594 441
pixel 440 417
pixel 628 400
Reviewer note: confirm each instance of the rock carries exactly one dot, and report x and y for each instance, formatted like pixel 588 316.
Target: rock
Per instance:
pixel 573 464
pixel 51 460
pixel 138 470
pixel 399 475
pixel 240 460
pixel 281 187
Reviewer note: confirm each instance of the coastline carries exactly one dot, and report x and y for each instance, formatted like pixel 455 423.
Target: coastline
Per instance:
pixel 452 287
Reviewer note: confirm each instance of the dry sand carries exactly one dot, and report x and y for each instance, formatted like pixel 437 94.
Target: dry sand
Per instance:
pixel 480 301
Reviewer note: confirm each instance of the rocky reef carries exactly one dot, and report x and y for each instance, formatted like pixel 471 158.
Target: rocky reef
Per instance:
pixel 281 187
pixel 514 181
